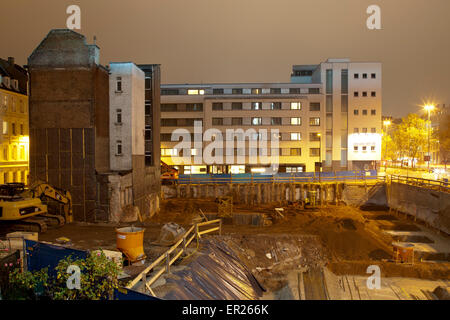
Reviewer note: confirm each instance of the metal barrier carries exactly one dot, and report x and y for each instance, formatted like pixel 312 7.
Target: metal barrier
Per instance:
pixel 193 233
pixel 301 177
pixel 437 185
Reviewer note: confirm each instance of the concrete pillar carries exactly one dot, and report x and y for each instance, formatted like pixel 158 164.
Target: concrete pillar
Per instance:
pixel 188 191
pixel 178 189
pixel 258 193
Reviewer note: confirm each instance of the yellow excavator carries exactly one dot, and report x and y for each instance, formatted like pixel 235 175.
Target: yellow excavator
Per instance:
pixel 169 175
pixel 25 209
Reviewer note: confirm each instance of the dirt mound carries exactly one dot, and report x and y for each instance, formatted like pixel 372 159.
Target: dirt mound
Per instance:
pixel 182 211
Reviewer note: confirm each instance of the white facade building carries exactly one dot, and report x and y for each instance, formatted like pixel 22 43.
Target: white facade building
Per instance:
pixel 328 114
pixel 126 123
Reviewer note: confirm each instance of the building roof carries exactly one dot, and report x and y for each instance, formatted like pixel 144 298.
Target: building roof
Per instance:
pixel 9 69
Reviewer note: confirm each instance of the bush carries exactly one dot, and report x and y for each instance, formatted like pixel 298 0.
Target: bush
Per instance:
pixel 98 279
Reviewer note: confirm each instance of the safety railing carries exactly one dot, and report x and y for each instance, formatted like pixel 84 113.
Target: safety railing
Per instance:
pixel 172 254
pixel 314 177
pixel 437 185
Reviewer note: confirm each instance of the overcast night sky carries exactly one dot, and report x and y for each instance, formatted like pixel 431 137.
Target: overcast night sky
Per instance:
pixel 254 40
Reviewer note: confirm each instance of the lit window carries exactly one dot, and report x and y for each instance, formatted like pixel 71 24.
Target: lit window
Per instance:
pixel 275 106
pixel 296 121
pixel 194 152
pixel 256 105
pixel 5 127
pixel 256 91
pixel 314 121
pixel 296 106
pixel 296 151
pixel 256 121
pixel 196 92
pixel 296 136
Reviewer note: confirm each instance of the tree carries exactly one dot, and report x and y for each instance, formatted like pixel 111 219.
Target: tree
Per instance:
pixel 388 147
pixel 411 137
pixel 443 136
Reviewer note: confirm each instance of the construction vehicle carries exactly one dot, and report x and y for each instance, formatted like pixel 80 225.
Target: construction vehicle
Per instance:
pixel 26 209
pixel 169 175
pixel 50 196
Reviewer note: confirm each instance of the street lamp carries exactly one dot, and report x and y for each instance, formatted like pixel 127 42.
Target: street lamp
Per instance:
pixel 320 155
pixel 320 150
pixel 429 108
pixel 386 124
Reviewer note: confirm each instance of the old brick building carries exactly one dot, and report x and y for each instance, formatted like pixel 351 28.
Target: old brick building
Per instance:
pixel 69 125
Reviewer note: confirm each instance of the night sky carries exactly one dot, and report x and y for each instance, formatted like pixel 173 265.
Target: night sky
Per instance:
pixel 254 40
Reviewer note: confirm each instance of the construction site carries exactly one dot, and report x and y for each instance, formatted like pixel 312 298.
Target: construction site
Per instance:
pixel 318 241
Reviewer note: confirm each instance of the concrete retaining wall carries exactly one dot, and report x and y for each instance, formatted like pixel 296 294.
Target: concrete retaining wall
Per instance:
pixel 427 205
pixel 280 193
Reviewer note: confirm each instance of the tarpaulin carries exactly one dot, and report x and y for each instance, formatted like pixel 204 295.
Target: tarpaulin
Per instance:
pixel 43 255
pixel 216 274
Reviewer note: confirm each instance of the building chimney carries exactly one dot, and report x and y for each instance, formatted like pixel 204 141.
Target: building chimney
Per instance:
pixel 11 61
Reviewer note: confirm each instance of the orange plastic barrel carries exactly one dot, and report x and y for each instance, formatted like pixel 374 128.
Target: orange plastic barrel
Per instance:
pixel 130 241
pixel 404 252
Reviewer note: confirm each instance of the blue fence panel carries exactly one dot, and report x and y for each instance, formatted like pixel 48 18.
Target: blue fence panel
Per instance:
pixel 279 177
pixel 42 255
pixel 128 294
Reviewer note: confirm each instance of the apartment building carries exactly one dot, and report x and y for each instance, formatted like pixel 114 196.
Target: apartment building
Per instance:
pixel 328 116
pixel 14 119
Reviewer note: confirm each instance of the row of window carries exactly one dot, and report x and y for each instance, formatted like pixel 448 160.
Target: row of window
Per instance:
pixel 255 121
pixel 363 148
pixel 253 91
pixel 364 112
pixel 313 152
pixel 15 104
pixel 13 130
pixel 218 106
pixel 364 130
pixel 289 136
pixel 365 76
pixel 15 176
pixel 274 121
pixel 16 153
pixel 373 94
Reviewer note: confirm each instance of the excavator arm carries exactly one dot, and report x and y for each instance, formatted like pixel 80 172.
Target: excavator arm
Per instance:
pixel 45 191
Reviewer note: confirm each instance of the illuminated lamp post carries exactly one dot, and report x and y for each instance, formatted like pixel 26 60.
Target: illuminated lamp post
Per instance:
pixel 386 124
pixel 429 108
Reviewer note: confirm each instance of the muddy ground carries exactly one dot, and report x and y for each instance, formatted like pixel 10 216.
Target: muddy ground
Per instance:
pixel 345 239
